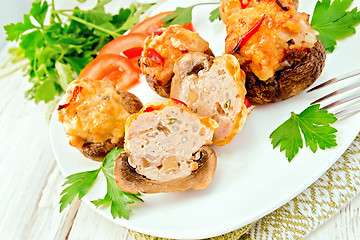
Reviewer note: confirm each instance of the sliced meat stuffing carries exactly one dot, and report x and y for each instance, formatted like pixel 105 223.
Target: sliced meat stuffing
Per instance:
pixel 213 87
pixel 165 146
pixel 162 49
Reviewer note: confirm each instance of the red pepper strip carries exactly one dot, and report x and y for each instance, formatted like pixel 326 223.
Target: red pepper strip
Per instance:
pixel 158 32
pixel 244 38
pixel 76 92
pixel 285 8
pixel 244 5
pixel 155 56
pixel 178 102
pixel 149 109
pixel 247 103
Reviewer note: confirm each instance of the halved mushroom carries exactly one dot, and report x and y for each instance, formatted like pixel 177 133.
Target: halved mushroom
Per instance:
pixel 130 181
pixel 214 88
pixel 165 150
pixel 162 49
pixel 94 116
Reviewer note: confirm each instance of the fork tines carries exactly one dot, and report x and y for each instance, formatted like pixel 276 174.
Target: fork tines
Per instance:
pixel 350 110
pixel 336 79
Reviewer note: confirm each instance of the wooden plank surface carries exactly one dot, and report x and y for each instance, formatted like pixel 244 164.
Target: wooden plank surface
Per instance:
pixel 30 182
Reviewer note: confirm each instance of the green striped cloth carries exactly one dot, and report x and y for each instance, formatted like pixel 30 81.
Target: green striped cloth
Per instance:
pixel 308 210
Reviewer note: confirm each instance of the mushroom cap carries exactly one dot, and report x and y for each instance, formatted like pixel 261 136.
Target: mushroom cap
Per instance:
pixel 130 181
pixel 305 66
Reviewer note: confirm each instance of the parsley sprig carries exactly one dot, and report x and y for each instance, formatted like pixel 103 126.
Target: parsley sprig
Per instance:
pixel 314 124
pixel 183 16
pixel 333 21
pixel 80 183
pixel 67 43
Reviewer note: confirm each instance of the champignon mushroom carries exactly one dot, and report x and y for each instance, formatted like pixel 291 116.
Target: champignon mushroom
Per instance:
pixel 94 116
pixel 305 66
pixel 165 150
pixel 130 181
pixel 275 46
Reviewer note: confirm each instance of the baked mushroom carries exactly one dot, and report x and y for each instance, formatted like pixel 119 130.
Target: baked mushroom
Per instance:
pixel 165 150
pixel 94 116
pixel 162 49
pixel 274 45
pixel 214 88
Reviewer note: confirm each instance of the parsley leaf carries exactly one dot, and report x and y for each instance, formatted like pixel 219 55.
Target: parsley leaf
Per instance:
pixel 80 183
pixel 215 14
pixel 134 16
pixel 183 16
pixel 14 31
pixel 333 22
pixel 38 11
pixel 109 161
pixel 65 44
pixel 315 127
pixel 180 16
pixel 118 200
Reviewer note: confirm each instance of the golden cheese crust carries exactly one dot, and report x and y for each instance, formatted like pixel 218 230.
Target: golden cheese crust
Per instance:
pixel 280 31
pixel 94 116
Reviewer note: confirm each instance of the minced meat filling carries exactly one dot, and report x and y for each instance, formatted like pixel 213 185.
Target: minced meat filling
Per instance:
pixel 162 143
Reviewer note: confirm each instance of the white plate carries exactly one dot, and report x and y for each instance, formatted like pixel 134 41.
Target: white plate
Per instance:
pixel 252 179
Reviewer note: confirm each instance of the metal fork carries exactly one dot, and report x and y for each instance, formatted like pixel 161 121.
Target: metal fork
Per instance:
pixel 353 79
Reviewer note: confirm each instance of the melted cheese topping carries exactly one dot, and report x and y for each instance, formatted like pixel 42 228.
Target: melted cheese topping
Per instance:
pixel 171 44
pixel 280 31
pixel 96 115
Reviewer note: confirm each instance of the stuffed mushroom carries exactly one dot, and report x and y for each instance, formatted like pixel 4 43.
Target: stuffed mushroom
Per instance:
pixel 166 150
pixel 215 88
pixel 275 46
pixel 162 49
pixel 94 115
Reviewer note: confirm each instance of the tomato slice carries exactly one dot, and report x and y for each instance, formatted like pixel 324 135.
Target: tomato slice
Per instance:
pixel 130 45
pixel 150 24
pixel 113 67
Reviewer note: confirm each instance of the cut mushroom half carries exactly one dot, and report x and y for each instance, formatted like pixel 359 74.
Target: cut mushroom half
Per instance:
pixel 130 181
pixel 165 150
pixel 161 50
pixel 214 88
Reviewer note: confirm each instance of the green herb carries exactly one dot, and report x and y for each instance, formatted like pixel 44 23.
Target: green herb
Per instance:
pixel 315 128
pixel 80 183
pixel 334 22
pixel 57 49
pixel 227 104
pixel 182 16
pixel 172 121
pixel 215 14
